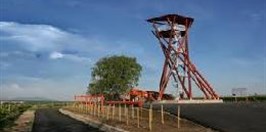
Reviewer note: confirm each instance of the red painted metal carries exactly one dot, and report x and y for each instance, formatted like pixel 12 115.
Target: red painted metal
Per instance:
pixel 136 97
pixel 99 99
pixel 138 103
pixel 172 33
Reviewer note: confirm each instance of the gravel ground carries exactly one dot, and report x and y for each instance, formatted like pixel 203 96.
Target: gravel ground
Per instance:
pixel 51 120
pixel 229 117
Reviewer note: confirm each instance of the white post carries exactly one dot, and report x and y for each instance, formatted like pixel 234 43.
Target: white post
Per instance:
pixel 150 118
pixel 127 114
pixel 108 111
pixel 132 112
pixel 125 110
pixel 113 114
pixel 178 116
pixel 138 115
pixel 162 114
pixel 119 111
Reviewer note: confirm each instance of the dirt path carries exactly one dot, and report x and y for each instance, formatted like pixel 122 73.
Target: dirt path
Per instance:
pixel 23 123
pixel 51 120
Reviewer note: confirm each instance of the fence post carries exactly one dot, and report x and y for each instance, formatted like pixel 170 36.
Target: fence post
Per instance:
pixel 138 115
pixel 79 107
pixel 103 109
pixel 127 114
pixel 162 114
pixel 108 110
pixel 98 110
pixel 94 109
pixel 119 112
pixel 125 110
pixel 83 107
pixel 132 111
pixel 178 116
pixel 90 109
pixel 150 117
pixel 140 112
pixel 113 114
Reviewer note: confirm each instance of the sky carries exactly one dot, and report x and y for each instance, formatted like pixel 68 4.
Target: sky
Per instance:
pixel 48 47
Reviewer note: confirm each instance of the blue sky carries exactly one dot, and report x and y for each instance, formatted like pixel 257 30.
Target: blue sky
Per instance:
pixel 47 47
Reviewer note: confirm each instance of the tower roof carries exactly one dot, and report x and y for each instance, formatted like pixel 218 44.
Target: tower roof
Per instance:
pixel 172 17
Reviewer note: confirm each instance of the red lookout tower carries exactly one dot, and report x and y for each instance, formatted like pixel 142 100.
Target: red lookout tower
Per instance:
pixel 172 32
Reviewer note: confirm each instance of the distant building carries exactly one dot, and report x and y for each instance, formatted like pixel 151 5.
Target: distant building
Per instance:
pixel 242 92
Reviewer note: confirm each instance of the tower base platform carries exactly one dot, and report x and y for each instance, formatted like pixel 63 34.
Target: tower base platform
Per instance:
pixel 189 101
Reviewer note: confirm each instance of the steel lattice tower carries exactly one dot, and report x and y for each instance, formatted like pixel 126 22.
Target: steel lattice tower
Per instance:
pixel 172 33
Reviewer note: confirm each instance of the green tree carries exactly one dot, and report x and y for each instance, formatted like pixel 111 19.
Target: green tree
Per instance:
pixel 114 75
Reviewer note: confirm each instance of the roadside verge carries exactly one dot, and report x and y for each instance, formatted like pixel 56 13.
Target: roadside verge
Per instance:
pixel 91 122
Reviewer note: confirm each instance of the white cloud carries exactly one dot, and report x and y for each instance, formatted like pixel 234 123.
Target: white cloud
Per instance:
pixel 15 87
pixel 47 38
pixel 72 57
pixel 41 38
pixel 33 37
pixel 56 55
pixel 55 43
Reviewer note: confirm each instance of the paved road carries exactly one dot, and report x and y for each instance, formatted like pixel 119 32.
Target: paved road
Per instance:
pixel 228 117
pixel 51 120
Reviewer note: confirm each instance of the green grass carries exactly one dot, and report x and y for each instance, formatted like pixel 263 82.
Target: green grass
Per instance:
pixel 258 98
pixel 10 112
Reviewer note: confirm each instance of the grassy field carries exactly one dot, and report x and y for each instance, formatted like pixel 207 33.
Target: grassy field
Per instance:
pixel 253 98
pixel 257 98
